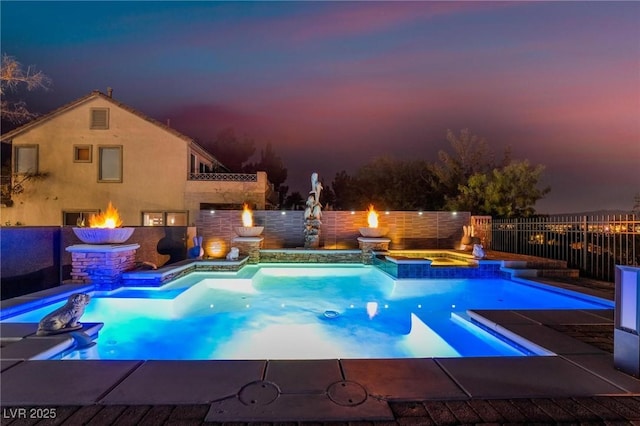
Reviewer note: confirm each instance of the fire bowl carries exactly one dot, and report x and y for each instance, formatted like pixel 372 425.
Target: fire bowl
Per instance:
pixel 103 235
pixel 249 231
pixel 373 232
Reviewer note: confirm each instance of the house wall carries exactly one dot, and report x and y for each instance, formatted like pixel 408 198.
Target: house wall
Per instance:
pixel 225 192
pixel 154 168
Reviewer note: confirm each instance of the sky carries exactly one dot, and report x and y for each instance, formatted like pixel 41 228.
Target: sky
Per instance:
pixel 334 85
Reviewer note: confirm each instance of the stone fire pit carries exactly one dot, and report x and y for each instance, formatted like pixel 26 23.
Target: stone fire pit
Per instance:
pixel 103 235
pixel 249 231
pixel 369 232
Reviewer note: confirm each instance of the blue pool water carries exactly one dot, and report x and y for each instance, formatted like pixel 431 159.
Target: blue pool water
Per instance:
pixel 308 312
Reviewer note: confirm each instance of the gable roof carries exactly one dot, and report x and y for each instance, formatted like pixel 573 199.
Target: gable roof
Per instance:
pixel 93 95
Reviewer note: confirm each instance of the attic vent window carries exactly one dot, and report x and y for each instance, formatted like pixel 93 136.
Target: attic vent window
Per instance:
pixel 100 118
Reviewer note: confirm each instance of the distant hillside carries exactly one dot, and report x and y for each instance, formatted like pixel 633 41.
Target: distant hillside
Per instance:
pixel 596 213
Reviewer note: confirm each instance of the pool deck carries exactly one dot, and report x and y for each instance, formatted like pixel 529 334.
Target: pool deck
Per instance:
pixel 577 385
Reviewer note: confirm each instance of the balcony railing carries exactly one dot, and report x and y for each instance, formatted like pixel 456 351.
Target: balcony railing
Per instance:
pixel 224 177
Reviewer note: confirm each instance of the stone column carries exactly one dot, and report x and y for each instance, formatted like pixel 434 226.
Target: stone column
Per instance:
pixel 249 246
pixel 101 264
pixel 369 245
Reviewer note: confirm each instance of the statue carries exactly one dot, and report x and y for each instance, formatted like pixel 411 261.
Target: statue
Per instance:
pixel 66 318
pixel 196 252
pixel 478 251
pixel 313 214
pixel 233 254
pixel 316 186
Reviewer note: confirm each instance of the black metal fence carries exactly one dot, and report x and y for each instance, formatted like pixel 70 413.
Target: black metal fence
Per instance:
pixel 592 244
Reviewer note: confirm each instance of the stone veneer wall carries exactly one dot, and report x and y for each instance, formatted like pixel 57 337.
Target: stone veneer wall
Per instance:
pixel 310 256
pixel 284 229
pixel 104 267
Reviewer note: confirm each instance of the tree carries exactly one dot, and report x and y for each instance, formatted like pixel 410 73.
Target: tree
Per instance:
pixel 470 155
pixel 345 189
pixel 232 151
pixel 14 76
pixel 395 184
pixel 294 201
pixel 636 204
pixel 505 192
pixel 387 183
pixel 271 163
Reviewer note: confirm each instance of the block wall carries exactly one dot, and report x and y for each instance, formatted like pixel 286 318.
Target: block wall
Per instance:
pixel 284 229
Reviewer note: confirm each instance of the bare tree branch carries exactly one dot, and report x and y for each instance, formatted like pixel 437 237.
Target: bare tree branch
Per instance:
pixel 13 76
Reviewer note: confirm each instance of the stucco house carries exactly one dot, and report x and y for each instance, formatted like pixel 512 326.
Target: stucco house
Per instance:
pixel 95 150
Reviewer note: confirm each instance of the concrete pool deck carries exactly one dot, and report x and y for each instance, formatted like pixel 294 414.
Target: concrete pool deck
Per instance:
pixel 578 384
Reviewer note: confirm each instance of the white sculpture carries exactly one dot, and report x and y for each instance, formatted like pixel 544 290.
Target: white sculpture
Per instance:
pixel 233 254
pixel 308 212
pixel 478 251
pixel 316 186
pixel 313 214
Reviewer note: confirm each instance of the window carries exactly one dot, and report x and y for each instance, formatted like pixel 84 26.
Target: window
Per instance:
pixel 110 168
pixel 99 118
pixel 176 218
pixel 192 164
pixel 169 218
pixel 77 218
pixel 26 159
pixel 82 153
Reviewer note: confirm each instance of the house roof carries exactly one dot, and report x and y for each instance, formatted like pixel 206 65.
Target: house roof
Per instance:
pixel 93 95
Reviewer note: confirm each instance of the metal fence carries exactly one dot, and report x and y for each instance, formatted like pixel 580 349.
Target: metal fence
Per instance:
pixel 592 244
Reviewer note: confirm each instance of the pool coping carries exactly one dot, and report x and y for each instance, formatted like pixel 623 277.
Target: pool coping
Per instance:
pixel 576 370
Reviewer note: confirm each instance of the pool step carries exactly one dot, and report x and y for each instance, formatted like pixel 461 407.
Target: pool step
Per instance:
pixel 542 268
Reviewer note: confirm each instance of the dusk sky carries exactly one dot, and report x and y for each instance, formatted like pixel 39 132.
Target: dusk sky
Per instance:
pixel 334 85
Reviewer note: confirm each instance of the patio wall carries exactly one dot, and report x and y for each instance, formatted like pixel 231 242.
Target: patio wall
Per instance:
pixel 284 229
pixel 34 258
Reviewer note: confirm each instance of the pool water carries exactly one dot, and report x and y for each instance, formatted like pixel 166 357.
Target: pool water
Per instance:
pixel 308 312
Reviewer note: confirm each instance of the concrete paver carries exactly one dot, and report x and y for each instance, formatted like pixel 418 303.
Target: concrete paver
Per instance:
pixel 298 407
pixel 48 383
pixel 402 379
pixel 303 376
pixel 463 412
pixel 439 412
pixel 184 382
pixel 521 410
pixel 524 377
pixel 486 411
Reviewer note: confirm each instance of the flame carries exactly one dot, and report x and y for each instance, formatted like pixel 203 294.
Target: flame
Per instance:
pixel 109 219
pixel 247 219
pixel 372 217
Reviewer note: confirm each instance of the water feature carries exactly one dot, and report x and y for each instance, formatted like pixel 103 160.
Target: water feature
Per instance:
pixel 313 214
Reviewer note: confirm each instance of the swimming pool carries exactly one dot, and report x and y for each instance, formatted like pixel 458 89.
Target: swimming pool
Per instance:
pixel 302 311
